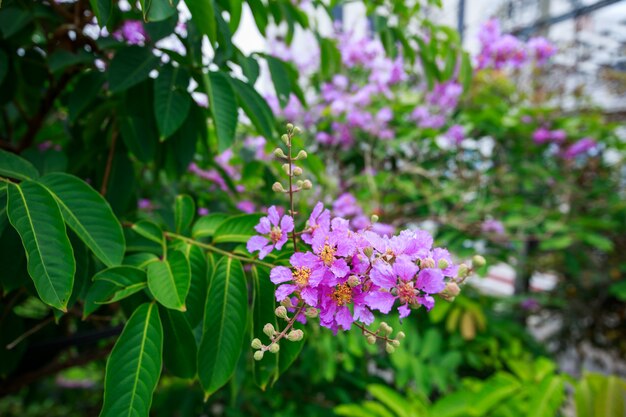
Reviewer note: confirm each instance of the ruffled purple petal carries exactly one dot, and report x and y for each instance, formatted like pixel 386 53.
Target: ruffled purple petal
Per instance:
pixel 404 310
pixel 264 226
pixel 273 215
pixel 405 268
pixel 256 243
pixel 383 276
pixel 286 224
pixel 281 241
pixel 363 314
pixel 280 274
pixel 430 281
pixel 309 295
pixel 304 259
pixel 265 251
pixel 380 300
pixel 340 268
pixel 427 301
pixel 284 290
pixel 344 317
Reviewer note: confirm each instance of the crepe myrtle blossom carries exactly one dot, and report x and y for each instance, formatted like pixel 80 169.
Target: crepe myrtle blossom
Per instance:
pixel 579 147
pixel 131 31
pixel 274 231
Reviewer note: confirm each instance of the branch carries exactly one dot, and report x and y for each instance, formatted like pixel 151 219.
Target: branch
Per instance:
pixel 107 168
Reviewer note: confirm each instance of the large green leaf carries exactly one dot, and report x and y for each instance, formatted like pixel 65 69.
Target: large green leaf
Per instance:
pixel 265 370
pixel 157 10
pixel 169 280
pixel 493 392
pixel 198 286
pixel 206 226
pixel 223 107
pixel 89 215
pixel 35 215
pixel 236 228
pixel 256 108
pixel 184 211
pixel 130 66
pixel 180 350
pixel 280 78
pixel 171 100
pixel 127 280
pixel 12 166
pixel 226 312
pixel 134 367
pixel 203 15
pixel 547 397
pixel 102 10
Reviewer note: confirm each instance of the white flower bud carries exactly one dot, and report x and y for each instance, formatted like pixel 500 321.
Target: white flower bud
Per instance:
pixel 374 218
pixel 285 139
pixel 395 343
pixel 463 271
pixel 289 127
pixel 296 130
pixel 281 312
pixel 279 153
pixel 295 335
pixel 450 291
pixel 277 187
pixel 311 312
pixel 427 263
pixel 353 281
pixel 442 264
pixel 287 303
pixel 478 261
pixel 368 251
pixel 256 344
pixel 400 336
pixel 286 169
pixel 385 329
pixel 371 339
pixel 258 355
pixel 389 348
pixel 268 329
pixel 307 185
pixel 297 171
pixel 274 348
pixel 302 155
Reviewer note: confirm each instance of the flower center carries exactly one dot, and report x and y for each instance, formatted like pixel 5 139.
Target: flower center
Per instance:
pixel 342 294
pixel 301 276
pixel 276 234
pixel 406 293
pixel 327 255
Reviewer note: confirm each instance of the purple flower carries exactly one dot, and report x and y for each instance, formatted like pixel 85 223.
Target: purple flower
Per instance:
pixel 579 147
pixel 541 135
pixel 246 206
pixel 275 230
pixel 346 205
pixel 493 226
pixel 319 220
pixel 541 49
pixel 306 276
pixel 132 32
pixel 145 204
pixel 558 135
pixel 203 211
pixel 456 134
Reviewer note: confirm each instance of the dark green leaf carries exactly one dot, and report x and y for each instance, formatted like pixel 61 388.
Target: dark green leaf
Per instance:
pixel 169 280
pixel 223 107
pixel 130 66
pixel 207 225
pixel 171 100
pixel 265 370
pixel 203 15
pixel 180 350
pixel 255 107
pixel 237 228
pixel 184 212
pixel 12 166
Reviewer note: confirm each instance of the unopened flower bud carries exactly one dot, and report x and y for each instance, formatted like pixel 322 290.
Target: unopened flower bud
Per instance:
pixel 268 329
pixel 368 251
pixel 299 183
pixel 395 343
pixel 281 312
pixel 374 218
pixel 278 153
pixel 385 329
pixel 478 261
pixel 371 339
pixel 311 312
pixel 442 264
pixel 450 291
pixel 277 187
pixel 400 336
pixel 307 185
pixel 287 303
pixel 389 348
pixel 427 263
pixel 296 130
pixel 353 281
pixel 285 168
pixel 256 344
pixel 297 171
pixel 258 355
pixel 274 348
pixel 295 335
pixel 302 155
pixel 285 139
pixel 462 271
pixel 289 127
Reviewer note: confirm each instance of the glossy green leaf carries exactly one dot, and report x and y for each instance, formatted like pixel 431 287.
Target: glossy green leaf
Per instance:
pixel 13 166
pixel 260 14
pixel 226 311
pixel 34 213
pixel 493 392
pixel 264 305
pixel 223 107
pixel 157 10
pixel 89 215
pixel 85 92
pixel 169 280
pixel 198 286
pixel 206 226
pixel 184 212
pixel 203 16
pixel 171 100
pixel 134 366
pixel 130 66
pixel 237 228
pixel 280 78
pixel 547 397
pixel 148 230
pixel 256 108
pixel 127 279
pixel 102 10
pixel 179 350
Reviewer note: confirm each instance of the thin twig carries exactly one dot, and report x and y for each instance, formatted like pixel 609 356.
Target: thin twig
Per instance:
pixel 107 169
pixel 291 191
pixel 29 332
pixel 288 327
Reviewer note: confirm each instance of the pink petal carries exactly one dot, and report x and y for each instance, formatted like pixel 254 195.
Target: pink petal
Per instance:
pixel 273 215
pixel 280 274
pixel 344 318
pixel 380 300
pixel 284 290
pixel 382 275
pixel 286 224
pixel 264 226
pixel 265 251
pixel 309 295
pixel 256 243
pixel 404 311
pixel 340 268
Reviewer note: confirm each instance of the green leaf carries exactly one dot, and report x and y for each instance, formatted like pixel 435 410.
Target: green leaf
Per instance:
pixel 280 78
pixel 98 294
pixel 134 367
pixel 35 215
pixel 237 229
pixel 264 305
pixel 171 100
pixel 12 166
pixel 157 10
pixel 547 397
pixel 179 351
pixel 256 108
pixel 13 19
pixel 137 121
pixel 89 215
pixel 102 10
pixel 148 230
pixel 184 211
pixel 493 392
pixel 203 15
pixel 399 405
pixel 289 352
pixel 169 280
pixel 198 286
pixel 206 226
pixel 223 108
pixel 4 65
pixel 84 93
pixel 556 242
pixel 259 13
pixel 127 280
pixel 226 311
pixel 130 66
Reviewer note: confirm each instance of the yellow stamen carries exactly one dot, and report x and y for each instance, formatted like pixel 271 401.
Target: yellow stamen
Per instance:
pixel 327 255
pixel 301 276
pixel 342 295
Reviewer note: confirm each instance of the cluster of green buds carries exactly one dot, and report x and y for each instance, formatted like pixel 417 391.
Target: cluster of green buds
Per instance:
pixel 453 289
pixel 289 166
pixel 384 333
pixel 289 333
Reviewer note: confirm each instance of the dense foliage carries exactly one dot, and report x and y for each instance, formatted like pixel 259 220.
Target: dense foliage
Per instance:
pixel 165 229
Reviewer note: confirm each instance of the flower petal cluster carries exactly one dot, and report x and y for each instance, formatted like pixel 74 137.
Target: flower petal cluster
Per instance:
pixel 274 231
pixel 346 275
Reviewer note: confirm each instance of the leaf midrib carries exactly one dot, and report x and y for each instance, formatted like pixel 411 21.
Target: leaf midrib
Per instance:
pixel 223 316
pixel 141 352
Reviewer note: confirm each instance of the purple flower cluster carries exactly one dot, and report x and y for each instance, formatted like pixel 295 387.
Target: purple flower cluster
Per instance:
pixel 346 275
pixel 440 104
pixel 579 147
pixel 132 32
pixel 346 206
pixel 543 135
pixel 558 136
pixel 499 51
